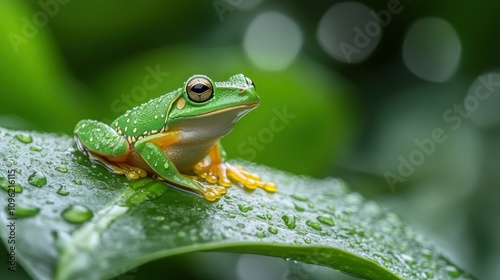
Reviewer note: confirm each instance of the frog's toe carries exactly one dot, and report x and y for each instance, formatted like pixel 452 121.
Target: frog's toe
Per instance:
pixel 223 173
pixel 249 180
pixel 213 173
pixel 213 193
pixel 132 172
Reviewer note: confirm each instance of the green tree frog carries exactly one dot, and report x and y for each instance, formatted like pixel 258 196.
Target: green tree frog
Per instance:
pixel 176 137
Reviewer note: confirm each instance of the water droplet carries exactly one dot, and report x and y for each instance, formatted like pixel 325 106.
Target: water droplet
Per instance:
pixel 453 271
pixel 62 191
pixel 307 241
pixel 289 221
pixel 260 234
pixel 272 230
pixel 350 230
pixel 299 208
pixel 159 218
pixel 37 179
pixel 299 197
pixel 245 208
pixel 4 185
pixel 262 217
pixel 408 259
pixel 24 211
pixel 273 207
pixel 62 169
pixel 36 148
pixel 181 234
pixel 240 225
pixel 326 220
pixel 269 216
pixel 77 214
pixel 78 182
pixel 313 225
pixel 427 253
pixel 25 138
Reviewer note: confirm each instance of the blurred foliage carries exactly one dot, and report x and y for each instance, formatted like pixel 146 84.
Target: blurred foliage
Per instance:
pixel 353 120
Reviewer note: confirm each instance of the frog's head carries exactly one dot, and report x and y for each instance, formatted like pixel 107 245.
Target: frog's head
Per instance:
pixel 214 103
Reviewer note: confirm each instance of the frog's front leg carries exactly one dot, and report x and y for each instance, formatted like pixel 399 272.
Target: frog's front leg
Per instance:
pixel 215 170
pixel 106 147
pixel 154 156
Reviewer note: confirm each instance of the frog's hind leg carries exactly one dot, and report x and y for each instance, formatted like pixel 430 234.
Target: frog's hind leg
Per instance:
pixel 105 147
pixel 151 152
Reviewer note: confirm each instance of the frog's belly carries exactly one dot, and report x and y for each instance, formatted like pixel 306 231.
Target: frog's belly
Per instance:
pixel 183 156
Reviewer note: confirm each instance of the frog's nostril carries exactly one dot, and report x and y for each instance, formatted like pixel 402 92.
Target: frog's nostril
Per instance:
pixel 241 90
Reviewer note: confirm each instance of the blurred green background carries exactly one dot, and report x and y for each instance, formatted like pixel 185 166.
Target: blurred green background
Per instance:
pixel 363 87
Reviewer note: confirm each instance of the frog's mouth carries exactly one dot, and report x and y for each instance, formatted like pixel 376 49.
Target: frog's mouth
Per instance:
pixel 243 109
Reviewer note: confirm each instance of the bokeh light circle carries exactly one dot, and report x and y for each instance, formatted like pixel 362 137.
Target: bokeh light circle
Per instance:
pixel 272 41
pixel 483 100
pixel 349 32
pixel 431 49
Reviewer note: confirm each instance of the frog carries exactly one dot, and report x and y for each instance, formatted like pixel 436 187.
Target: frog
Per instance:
pixel 176 137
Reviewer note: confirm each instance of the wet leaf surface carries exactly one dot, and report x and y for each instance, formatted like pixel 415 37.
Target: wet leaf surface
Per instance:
pixel 81 222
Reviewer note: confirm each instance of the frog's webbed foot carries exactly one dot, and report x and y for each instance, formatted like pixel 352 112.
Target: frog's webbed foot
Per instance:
pixel 223 173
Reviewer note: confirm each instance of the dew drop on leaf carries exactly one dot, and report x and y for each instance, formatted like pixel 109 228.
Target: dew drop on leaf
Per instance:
pixel 37 179
pixel 62 191
pixel 453 271
pixel 24 138
pixel 24 211
pixel 326 220
pixel 4 185
pixel 62 169
pixel 289 221
pixel 272 230
pixel 299 197
pixel 77 214
pixel 36 148
pixel 245 208
pixel 313 225
pixel 159 218
pixel 299 208
pixel 260 234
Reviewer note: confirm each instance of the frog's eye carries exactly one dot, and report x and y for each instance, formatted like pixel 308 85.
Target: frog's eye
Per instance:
pixel 250 83
pixel 199 89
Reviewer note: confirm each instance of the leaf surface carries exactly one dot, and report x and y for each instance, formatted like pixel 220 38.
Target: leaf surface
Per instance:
pixel 75 220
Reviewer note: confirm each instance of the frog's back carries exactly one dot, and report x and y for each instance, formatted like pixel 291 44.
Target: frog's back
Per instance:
pixel 146 119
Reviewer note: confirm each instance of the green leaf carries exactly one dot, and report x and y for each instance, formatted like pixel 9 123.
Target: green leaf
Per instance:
pixel 77 221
